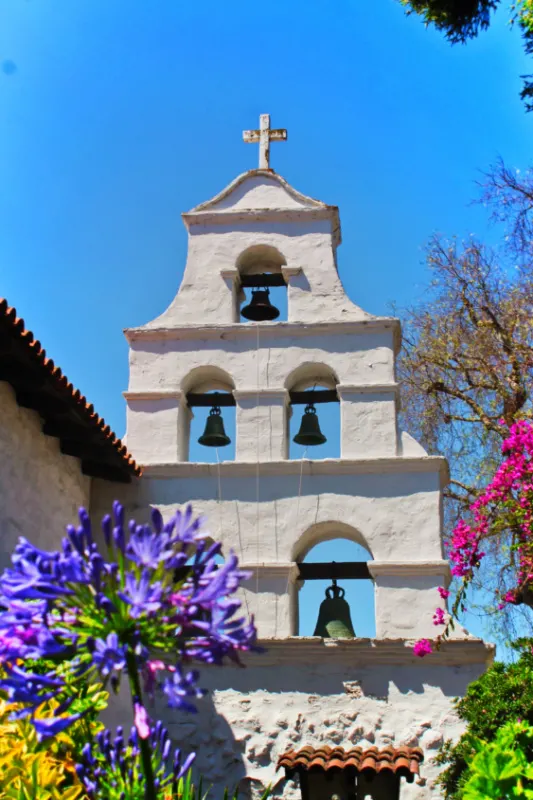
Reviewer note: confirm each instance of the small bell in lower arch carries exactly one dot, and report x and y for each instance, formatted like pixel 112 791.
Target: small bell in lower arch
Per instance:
pixel 310 434
pixel 334 618
pixel 214 434
pixel 260 309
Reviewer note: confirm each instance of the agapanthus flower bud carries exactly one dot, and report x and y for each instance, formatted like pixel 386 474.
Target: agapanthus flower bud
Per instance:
pixel 85 525
pixel 142 722
pixel 75 538
pixel 119 538
pixel 106 529
pixel 118 513
pixel 157 520
pixel 87 753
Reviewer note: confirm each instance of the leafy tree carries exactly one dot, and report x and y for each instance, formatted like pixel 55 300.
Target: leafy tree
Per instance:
pixel 467 360
pixel 502 696
pixel 467 363
pixel 461 20
pixel 467 357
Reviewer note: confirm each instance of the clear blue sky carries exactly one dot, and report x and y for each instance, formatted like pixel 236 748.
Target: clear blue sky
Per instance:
pixel 117 116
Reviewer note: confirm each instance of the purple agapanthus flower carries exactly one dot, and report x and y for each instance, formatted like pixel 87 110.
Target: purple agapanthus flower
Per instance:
pixel 24 549
pixel 179 686
pixel 143 597
pixel 26 687
pixel 51 726
pixel 29 582
pixel 26 642
pixel 219 581
pixel 148 550
pixel 185 528
pixel 103 609
pixel 224 635
pixel 108 655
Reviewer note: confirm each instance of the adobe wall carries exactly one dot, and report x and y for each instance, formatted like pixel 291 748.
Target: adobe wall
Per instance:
pixel 40 488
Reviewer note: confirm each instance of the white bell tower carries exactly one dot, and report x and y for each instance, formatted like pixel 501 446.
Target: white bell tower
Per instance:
pixel 383 492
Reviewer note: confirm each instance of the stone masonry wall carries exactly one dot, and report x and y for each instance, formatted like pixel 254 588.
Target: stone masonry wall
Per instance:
pixel 251 716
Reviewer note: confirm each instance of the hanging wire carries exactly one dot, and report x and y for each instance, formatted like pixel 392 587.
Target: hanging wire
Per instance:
pixel 257 429
pixel 300 484
pixel 219 496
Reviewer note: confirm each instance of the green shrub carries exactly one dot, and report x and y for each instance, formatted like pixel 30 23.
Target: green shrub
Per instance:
pixel 503 694
pixel 502 769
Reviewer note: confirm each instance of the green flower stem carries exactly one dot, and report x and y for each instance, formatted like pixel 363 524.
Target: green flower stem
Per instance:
pixel 144 744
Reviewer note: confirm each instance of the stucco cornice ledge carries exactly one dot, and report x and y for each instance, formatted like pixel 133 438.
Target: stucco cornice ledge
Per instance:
pixel 298 651
pixel 232 215
pixel 269 329
pixel 327 466
pixel 378 568
pixel 156 394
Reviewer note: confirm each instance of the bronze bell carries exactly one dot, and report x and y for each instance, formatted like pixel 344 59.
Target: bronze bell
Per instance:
pixel 310 433
pixel 260 308
pixel 334 620
pixel 214 434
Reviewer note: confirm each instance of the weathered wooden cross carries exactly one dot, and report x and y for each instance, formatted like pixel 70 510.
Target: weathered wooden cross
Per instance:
pixel 264 136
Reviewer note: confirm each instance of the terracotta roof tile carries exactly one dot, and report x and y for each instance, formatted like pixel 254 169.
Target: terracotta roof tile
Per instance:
pixel 24 364
pixel 403 761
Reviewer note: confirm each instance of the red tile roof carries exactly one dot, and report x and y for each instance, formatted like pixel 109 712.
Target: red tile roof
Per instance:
pixel 403 761
pixel 39 384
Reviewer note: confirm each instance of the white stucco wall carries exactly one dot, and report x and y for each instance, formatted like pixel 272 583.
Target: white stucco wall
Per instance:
pixel 354 352
pixel 40 488
pixel 304 692
pixel 260 366
pixel 394 513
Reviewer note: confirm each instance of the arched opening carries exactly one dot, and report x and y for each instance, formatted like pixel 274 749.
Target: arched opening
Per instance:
pixel 260 272
pixel 314 409
pixel 208 428
pixel 334 548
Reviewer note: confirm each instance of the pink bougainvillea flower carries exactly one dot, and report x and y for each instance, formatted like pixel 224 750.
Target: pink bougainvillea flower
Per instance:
pixel 422 648
pixel 444 593
pixel 439 617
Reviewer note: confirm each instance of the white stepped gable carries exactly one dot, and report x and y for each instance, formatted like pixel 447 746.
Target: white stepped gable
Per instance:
pixel 260 189
pixel 259 223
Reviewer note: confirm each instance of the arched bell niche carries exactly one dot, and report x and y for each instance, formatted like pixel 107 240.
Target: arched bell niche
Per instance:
pixel 314 406
pixel 321 545
pixel 206 389
pixel 260 270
